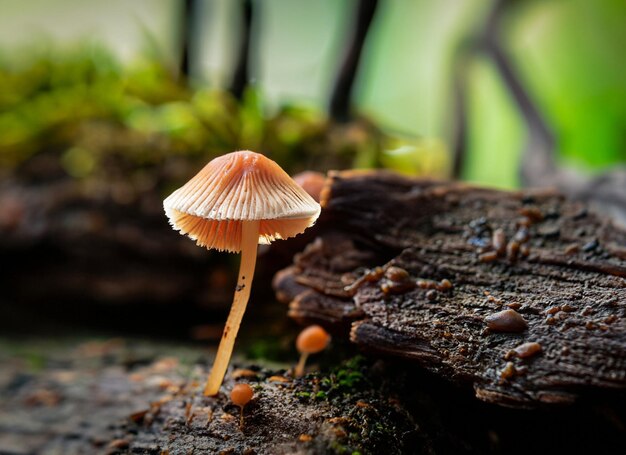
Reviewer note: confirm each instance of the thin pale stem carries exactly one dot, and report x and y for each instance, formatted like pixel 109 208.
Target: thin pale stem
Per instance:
pixel 301 363
pixel 249 245
pixel 241 418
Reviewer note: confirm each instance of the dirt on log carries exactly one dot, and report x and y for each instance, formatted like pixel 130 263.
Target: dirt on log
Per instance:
pixel 520 294
pixel 119 396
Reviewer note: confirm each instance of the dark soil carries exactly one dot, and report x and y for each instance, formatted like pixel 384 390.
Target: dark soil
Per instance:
pixel 114 396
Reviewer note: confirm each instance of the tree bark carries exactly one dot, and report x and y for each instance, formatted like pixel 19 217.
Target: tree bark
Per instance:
pixel 459 278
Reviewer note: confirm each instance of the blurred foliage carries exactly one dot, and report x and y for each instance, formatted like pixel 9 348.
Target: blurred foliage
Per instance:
pixel 98 118
pixel 569 54
pixel 419 156
pixel 496 134
pixel 83 104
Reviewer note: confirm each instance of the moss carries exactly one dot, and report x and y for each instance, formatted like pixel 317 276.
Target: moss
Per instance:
pixel 303 395
pixel 49 98
pixel 370 424
pixel 343 381
pixel 269 348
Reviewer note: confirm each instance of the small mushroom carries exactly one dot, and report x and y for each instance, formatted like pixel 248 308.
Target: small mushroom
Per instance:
pixel 528 349
pixel 499 241
pixel 506 321
pixel 311 340
pixel 234 203
pixel 312 182
pixel 241 396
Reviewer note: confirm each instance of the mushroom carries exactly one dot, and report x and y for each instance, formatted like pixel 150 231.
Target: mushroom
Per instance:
pixel 312 182
pixel 241 396
pixel 234 203
pixel 311 340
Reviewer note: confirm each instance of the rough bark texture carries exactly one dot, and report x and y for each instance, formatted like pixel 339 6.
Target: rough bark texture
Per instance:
pixel 558 266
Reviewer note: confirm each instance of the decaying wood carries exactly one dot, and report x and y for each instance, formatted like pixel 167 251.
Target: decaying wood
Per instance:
pixel 558 268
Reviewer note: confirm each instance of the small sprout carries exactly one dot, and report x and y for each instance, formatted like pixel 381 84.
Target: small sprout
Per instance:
pixel 241 396
pixel 209 416
pixel 188 413
pixel 321 395
pixel 311 340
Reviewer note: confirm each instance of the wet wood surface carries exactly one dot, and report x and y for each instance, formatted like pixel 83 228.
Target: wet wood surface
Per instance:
pixel 521 295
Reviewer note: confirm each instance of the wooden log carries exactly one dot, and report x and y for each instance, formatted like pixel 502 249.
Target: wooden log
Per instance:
pixel 460 279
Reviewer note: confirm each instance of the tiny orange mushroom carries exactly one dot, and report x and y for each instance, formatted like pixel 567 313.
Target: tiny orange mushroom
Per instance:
pixel 241 396
pixel 311 340
pixel 234 203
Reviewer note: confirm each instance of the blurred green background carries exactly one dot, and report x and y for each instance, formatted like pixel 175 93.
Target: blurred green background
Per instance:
pixel 64 61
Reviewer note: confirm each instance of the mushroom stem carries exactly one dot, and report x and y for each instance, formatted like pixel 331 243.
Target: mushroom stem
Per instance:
pixel 301 363
pixel 249 245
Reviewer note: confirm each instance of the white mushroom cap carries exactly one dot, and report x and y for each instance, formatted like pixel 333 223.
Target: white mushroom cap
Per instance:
pixel 237 187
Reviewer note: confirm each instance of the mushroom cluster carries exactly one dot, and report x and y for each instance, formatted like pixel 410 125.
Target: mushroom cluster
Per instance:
pixel 234 203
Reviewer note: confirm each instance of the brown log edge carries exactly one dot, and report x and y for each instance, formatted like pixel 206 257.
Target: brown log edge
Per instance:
pixel 562 270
